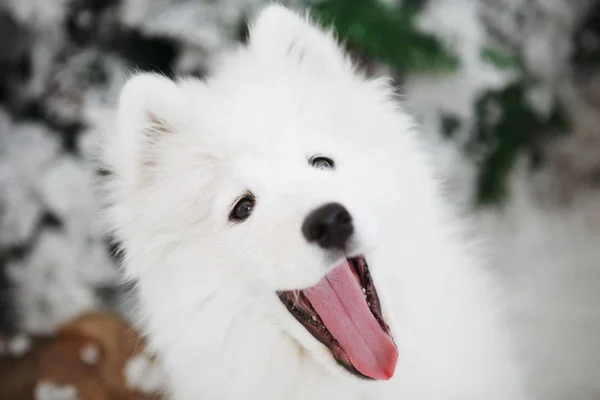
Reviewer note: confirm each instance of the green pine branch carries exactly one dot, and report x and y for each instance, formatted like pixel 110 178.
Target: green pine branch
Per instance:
pixel 387 34
pixel 501 140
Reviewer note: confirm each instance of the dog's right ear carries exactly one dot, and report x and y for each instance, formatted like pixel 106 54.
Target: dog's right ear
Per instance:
pixel 151 108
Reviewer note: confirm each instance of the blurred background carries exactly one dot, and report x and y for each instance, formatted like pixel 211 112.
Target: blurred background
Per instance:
pixel 509 91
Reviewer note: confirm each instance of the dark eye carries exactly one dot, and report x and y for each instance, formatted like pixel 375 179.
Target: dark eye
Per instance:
pixel 321 162
pixel 242 209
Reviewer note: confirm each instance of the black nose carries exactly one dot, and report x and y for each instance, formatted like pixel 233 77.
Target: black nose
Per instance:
pixel 330 226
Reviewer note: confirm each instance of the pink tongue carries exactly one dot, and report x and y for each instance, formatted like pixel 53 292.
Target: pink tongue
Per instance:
pixel 339 301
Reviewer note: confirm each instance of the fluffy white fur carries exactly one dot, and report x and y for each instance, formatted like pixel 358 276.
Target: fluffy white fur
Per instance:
pixel 184 151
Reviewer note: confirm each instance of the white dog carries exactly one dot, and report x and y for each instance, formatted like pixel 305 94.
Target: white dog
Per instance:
pixel 289 239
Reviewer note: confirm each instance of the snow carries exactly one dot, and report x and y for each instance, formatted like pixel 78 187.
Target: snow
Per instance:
pixel 90 354
pixel 143 374
pixel 42 14
pixel 50 286
pixel 50 391
pixel 65 188
pixel 18 345
pixel 20 207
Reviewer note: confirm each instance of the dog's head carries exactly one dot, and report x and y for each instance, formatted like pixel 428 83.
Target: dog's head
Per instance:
pixel 286 172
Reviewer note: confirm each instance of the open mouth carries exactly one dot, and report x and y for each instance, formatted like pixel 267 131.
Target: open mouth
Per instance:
pixel 343 312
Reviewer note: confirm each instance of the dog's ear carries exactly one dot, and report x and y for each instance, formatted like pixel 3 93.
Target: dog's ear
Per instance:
pixel 150 109
pixel 278 34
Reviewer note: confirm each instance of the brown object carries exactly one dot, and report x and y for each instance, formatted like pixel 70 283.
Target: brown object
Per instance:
pixel 88 354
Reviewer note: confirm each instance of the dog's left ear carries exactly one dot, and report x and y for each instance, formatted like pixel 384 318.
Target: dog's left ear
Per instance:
pixel 281 35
